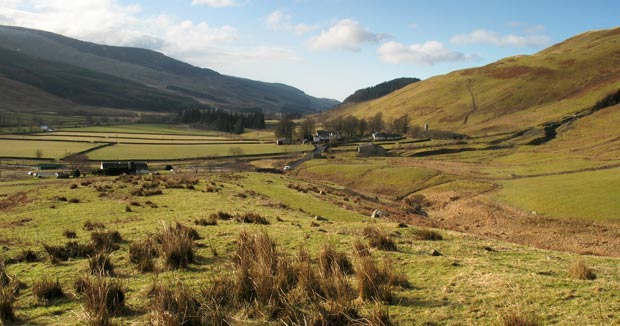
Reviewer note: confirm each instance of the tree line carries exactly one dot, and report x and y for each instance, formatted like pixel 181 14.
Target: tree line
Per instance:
pixel 379 90
pixel 220 120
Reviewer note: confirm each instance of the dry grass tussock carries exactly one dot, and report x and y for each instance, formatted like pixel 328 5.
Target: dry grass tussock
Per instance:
pixel 379 239
pixel 267 284
pixel 142 254
pixel 103 298
pixel 579 270
pixel 516 317
pixel 177 245
pixel 46 290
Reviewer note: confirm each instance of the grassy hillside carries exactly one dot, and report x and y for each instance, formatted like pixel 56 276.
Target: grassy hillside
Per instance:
pixel 157 70
pixel 511 94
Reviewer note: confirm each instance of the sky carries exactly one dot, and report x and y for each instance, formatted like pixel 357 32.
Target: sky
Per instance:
pixel 327 48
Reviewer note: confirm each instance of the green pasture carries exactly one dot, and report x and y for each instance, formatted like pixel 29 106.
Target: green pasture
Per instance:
pixel 467 285
pixel 171 152
pixel 146 128
pixel 49 149
pixel 374 176
pixel 589 195
pixel 111 138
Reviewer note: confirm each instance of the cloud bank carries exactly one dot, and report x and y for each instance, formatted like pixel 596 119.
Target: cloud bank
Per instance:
pixel 429 53
pixel 347 35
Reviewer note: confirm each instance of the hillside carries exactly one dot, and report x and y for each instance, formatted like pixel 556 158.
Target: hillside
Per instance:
pixel 152 70
pixel 379 90
pixel 511 94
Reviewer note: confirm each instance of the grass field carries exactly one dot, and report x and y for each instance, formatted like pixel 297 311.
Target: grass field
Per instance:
pixel 146 128
pixel 49 149
pixel 468 284
pixel 172 152
pixel 586 195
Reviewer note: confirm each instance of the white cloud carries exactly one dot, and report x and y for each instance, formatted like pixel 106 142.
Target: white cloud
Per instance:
pixel 112 23
pixel 346 34
pixel 428 53
pixel 482 36
pixel 216 3
pixel 281 19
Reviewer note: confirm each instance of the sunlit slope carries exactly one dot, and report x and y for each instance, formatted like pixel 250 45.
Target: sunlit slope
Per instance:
pixel 511 94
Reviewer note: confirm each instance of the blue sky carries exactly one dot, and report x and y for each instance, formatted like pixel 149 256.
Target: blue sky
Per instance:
pixel 327 48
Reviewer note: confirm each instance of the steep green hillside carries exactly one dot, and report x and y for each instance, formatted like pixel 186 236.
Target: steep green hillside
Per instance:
pixel 87 86
pixel 511 94
pixel 157 70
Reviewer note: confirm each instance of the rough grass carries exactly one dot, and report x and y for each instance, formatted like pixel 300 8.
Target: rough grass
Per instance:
pixel 46 289
pixel 473 283
pixel 579 270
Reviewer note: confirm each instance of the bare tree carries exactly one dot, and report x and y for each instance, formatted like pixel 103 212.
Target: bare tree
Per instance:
pixel 77 161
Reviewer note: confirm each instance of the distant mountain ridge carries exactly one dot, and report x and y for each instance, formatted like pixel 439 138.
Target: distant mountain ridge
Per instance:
pixel 148 72
pixel 511 94
pixel 379 90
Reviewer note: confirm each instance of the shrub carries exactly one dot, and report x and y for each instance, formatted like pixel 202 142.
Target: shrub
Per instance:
pixel 579 270
pixel 378 239
pixel 103 298
pixel 100 264
pixel 142 254
pixel 427 234
pixel 47 290
pixel 106 241
pixel 70 234
pixel 177 245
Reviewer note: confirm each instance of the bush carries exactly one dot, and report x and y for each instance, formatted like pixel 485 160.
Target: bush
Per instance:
pixel 142 254
pixel 47 290
pixel 579 270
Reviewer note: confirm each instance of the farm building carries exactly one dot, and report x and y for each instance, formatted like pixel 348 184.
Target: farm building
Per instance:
pixel 118 168
pixel 385 136
pixel 370 149
pixel 322 136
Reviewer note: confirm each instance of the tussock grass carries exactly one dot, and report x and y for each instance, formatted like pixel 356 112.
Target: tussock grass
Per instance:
pixel 518 318
pixel 7 308
pixel 379 239
pixel 103 297
pixel 27 255
pixel 46 290
pixel 90 225
pixel 579 270
pixel 333 262
pixel 427 234
pixel 101 264
pixel 210 221
pixel 142 253
pixel 177 245
pixel 71 249
pixel 106 240
pixel 252 218
pixel 69 234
